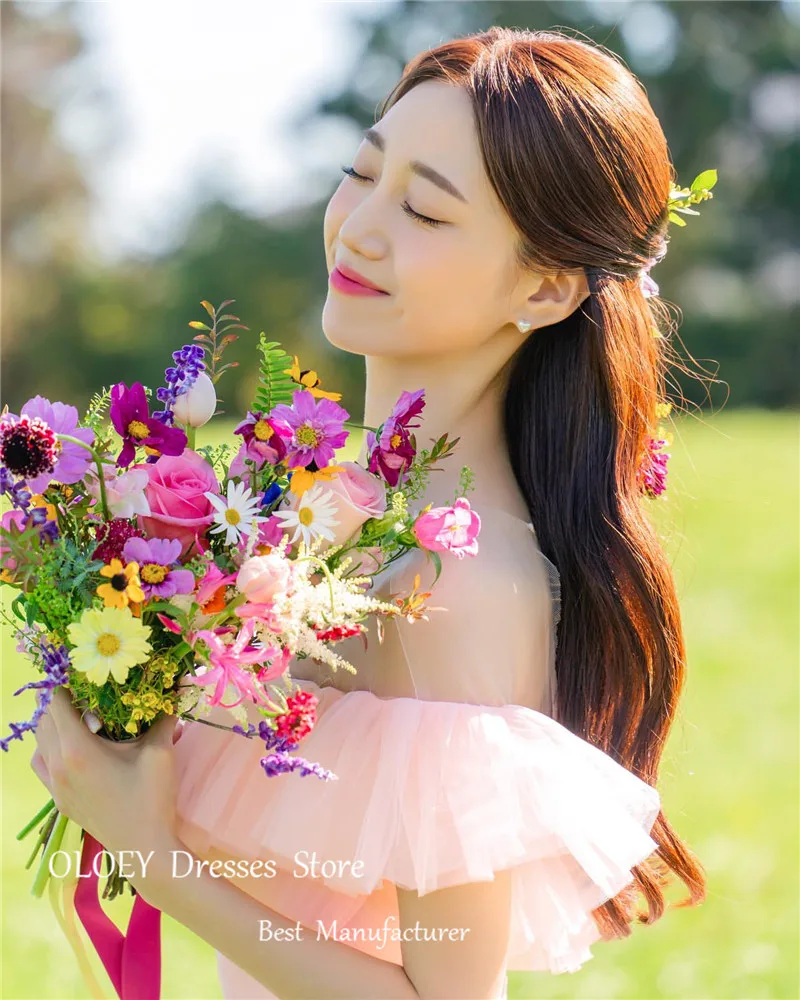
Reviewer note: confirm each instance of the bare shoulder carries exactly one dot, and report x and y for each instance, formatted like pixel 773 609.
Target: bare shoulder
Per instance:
pixel 507 572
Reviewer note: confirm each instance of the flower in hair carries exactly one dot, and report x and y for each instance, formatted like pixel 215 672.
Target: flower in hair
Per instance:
pixel 679 200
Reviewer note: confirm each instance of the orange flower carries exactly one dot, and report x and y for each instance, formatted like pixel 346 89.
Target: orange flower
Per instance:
pixel 303 479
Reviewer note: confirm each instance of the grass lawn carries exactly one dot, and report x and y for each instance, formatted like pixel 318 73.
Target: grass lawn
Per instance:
pixel 729 776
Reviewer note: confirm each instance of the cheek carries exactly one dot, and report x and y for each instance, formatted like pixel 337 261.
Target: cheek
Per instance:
pixel 446 295
pixel 335 213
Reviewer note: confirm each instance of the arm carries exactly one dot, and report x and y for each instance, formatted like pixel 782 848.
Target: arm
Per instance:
pixel 467 926
pixel 300 966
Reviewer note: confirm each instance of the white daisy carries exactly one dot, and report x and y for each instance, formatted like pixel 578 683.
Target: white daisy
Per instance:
pixel 312 517
pixel 237 516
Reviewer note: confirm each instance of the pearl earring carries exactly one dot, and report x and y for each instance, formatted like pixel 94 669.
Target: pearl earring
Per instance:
pixel 524 325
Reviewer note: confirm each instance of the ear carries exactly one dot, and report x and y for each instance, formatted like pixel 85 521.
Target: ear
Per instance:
pixel 556 297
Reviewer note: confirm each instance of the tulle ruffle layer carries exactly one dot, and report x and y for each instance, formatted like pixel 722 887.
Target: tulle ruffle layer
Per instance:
pixel 430 794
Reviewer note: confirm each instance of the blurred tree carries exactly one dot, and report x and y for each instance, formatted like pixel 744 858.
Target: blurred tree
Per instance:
pixel 43 196
pixel 723 78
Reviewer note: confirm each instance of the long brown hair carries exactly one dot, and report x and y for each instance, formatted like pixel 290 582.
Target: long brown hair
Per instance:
pixel 578 159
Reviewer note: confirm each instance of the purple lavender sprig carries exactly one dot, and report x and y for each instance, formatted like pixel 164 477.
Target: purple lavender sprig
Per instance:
pixel 279 761
pixel 56 664
pixel 18 492
pixel 188 365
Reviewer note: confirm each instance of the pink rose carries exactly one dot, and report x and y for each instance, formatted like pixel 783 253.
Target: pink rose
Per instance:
pixel 453 529
pixel 263 578
pixel 357 496
pixel 175 491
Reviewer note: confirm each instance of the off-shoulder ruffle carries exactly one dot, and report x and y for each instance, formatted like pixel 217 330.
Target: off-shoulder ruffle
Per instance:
pixel 432 794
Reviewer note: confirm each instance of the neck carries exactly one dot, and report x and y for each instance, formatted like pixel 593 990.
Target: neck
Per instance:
pixel 462 401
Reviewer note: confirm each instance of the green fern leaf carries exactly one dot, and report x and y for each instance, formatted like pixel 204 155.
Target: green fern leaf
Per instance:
pixel 274 386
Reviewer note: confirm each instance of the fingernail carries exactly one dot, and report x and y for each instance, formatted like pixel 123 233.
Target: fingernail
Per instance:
pixel 92 721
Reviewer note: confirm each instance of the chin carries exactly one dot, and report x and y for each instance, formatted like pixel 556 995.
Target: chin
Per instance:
pixel 340 331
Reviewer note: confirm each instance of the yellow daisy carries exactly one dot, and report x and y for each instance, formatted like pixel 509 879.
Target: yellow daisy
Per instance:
pixel 125 585
pixel 108 641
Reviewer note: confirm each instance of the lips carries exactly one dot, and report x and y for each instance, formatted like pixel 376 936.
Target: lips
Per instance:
pixel 348 272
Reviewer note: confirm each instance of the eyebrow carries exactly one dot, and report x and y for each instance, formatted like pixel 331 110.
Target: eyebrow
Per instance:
pixel 421 169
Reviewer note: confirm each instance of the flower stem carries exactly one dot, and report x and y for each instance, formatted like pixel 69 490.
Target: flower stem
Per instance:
pixel 40 815
pixel 98 461
pixel 53 844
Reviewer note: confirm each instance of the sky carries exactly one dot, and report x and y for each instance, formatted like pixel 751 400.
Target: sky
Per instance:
pixel 199 85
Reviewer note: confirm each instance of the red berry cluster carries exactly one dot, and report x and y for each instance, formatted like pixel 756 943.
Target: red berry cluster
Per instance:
pixel 338 632
pixel 300 718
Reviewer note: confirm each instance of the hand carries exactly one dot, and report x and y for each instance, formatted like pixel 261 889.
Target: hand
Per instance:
pixel 123 794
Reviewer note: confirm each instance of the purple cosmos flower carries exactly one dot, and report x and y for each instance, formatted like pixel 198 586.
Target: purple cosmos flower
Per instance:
pixel 188 365
pixel 266 439
pixel 392 451
pixel 133 423
pixel 56 664
pixel 316 428
pixel 156 558
pixel 72 460
pixel 28 446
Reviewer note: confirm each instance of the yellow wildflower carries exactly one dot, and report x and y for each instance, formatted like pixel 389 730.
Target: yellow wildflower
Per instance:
pixel 124 587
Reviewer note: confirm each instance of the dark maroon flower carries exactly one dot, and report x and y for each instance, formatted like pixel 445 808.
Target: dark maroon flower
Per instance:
pixel 28 446
pixel 112 538
pixel 132 421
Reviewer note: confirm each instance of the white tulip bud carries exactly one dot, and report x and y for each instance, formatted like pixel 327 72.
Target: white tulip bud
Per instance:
pixel 196 407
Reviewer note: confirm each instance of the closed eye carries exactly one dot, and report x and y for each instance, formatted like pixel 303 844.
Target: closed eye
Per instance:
pixel 405 206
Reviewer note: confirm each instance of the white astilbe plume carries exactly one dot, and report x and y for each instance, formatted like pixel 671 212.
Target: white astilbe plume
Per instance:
pixel 320 605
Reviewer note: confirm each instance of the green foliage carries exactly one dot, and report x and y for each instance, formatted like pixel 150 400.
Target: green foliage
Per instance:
pixel 274 384
pixel 681 198
pixel 97 411
pixel 217 456
pixel 65 585
pixel 215 341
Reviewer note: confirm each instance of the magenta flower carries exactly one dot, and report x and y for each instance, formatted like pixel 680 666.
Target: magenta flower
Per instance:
pixel 449 529
pixel 226 668
pixel 132 421
pixel 316 429
pixel 392 451
pixel 72 460
pixel 652 473
pixel 266 439
pixel 213 580
pixel 157 558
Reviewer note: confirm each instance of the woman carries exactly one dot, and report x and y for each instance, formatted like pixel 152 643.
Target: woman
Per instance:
pixel 503 209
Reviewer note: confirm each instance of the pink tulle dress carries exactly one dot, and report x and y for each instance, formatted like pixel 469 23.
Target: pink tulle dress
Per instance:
pixel 451 767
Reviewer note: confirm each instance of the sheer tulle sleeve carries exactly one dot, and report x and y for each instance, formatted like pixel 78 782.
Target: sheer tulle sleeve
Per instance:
pixel 469 777
pixel 495 642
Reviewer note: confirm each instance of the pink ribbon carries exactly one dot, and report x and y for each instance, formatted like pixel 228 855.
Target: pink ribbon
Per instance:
pixel 132 961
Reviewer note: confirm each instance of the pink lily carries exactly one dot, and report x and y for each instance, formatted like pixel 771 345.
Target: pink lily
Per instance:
pixel 214 579
pixel 226 660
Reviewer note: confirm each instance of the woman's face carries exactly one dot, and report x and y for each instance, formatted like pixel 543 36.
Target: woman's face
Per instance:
pixel 451 286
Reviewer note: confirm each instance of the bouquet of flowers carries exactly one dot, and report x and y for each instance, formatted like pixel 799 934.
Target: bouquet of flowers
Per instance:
pixel 155 577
